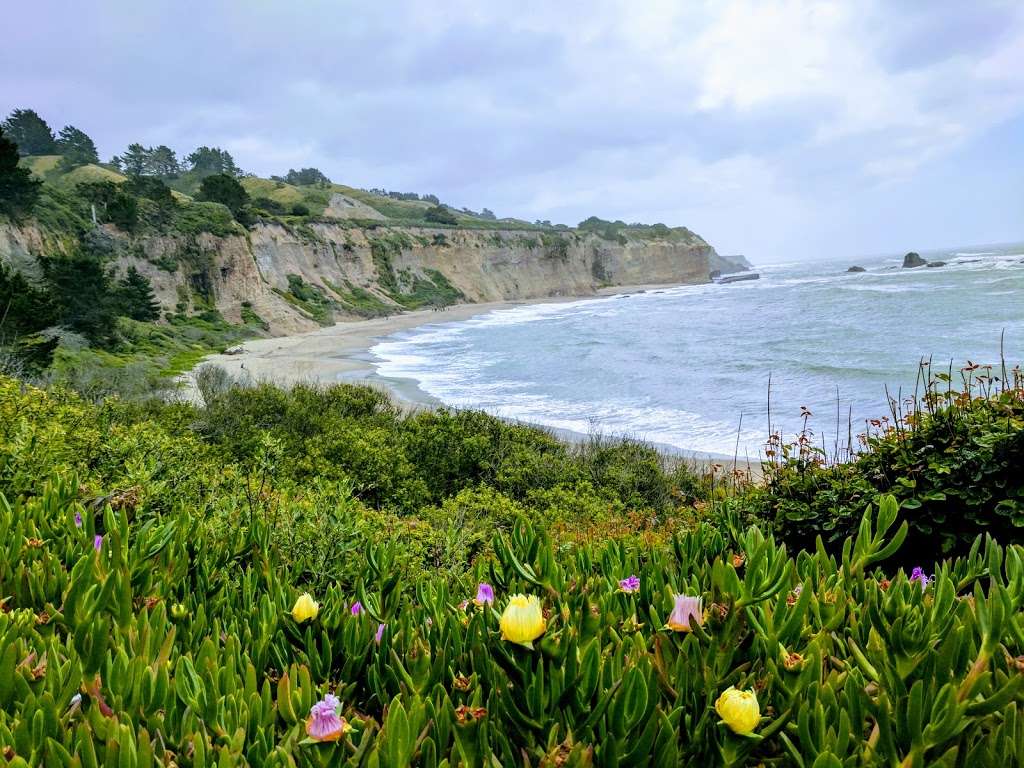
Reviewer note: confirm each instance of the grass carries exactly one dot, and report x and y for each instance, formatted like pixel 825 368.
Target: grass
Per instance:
pixel 361 302
pixel 197 217
pixel 309 298
pixel 314 198
pixel 87 173
pixel 148 356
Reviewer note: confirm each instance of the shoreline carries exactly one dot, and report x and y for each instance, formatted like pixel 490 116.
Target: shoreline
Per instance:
pixel 340 354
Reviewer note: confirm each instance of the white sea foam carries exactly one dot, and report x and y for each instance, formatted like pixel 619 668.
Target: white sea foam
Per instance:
pixel 676 366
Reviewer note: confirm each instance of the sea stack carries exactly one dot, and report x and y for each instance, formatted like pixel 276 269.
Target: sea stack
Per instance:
pixel 913 259
pixel 855 268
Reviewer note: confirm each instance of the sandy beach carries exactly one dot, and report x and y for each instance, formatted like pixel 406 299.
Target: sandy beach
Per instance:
pixel 341 352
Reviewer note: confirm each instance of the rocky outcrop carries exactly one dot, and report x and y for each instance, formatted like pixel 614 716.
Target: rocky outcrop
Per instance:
pixel 344 207
pixel 935 264
pixel 912 260
pixel 266 270
pixel 855 268
pixel 725 265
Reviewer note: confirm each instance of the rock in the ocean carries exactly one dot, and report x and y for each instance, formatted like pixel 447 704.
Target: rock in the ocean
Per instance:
pixel 856 269
pixel 913 259
pixel 935 264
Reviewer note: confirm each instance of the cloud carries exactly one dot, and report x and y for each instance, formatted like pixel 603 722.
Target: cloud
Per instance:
pixel 765 125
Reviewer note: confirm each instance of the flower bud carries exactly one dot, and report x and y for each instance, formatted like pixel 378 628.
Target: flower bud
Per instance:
pixel 305 608
pixel 739 710
pixel 523 621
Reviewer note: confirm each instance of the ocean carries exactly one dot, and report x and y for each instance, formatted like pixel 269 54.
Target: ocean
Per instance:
pixel 689 367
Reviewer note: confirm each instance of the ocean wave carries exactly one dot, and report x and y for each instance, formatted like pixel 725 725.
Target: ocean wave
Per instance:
pixel 676 366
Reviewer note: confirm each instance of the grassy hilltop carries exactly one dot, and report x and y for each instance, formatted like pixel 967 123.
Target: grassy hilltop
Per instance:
pixel 316 578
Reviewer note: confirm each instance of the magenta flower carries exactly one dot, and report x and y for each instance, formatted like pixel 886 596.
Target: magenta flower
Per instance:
pixel 484 594
pixel 357 608
pixel 630 585
pixel 78 519
pixel 324 722
pixel 918 575
pixel 97 543
pixel 686 610
pixel 380 633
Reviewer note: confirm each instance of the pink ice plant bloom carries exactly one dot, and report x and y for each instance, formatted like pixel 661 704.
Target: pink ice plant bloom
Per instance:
pixel 97 543
pixel 357 608
pixel 380 633
pixel 78 519
pixel 629 585
pixel 687 609
pixel 324 722
pixel 484 594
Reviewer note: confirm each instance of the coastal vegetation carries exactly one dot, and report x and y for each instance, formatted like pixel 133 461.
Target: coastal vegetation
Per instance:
pixel 315 576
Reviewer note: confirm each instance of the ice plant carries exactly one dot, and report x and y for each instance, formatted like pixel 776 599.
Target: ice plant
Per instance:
pixel 324 723
pixel 78 519
pixel 630 584
pixel 357 608
pixel 484 594
pixel 686 610
pixel 918 575
pixel 379 633
pixel 305 608
pixel 97 542
pixel 523 621
pixel 739 710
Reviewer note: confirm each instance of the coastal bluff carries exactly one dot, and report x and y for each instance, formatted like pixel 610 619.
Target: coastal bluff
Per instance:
pixel 295 279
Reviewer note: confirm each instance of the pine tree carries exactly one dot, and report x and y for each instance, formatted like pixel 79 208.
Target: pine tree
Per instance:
pixel 137 298
pixel 18 190
pixel 221 188
pixel 30 132
pixel 76 147
pixel 163 162
pixel 135 160
pixel 207 161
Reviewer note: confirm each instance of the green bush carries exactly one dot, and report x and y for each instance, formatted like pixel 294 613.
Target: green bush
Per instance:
pixel 953 464
pixel 150 586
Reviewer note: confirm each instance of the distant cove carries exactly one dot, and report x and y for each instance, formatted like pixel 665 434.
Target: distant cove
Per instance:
pixel 681 366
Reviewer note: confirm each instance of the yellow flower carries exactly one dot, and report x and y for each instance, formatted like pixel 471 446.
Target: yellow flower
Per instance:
pixel 305 608
pixel 738 710
pixel 522 622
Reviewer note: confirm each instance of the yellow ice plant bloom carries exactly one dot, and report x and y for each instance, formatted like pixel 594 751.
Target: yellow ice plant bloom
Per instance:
pixel 522 622
pixel 305 608
pixel 739 710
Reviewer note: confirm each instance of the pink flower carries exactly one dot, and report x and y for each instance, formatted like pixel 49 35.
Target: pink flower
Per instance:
pixel 686 609
pixel 78 519
pixel 357 608
pixel 629 585
pixel 324 722
pixel 97 543
pixel 380 633
pixel 484 594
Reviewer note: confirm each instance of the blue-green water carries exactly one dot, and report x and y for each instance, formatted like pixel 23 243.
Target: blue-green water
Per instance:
pixel 681 366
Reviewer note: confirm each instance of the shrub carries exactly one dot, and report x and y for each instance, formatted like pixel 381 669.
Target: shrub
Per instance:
pixel 952 463
pixel 440 214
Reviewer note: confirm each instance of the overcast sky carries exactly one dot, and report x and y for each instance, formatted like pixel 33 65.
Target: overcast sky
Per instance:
pixel 775 129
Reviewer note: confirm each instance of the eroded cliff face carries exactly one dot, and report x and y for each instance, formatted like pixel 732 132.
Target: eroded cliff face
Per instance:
pixel 273 272
pixel 484 265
